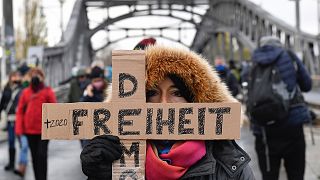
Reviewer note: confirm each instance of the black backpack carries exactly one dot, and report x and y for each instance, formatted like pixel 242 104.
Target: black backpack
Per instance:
pixel 269 100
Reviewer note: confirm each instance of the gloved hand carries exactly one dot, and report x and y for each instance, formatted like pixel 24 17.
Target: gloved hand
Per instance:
pixel 97 157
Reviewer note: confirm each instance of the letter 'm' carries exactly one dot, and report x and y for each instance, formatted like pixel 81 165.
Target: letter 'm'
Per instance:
pixel 134 149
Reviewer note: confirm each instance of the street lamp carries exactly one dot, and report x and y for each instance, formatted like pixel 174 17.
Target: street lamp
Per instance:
pixel 297 38
pixel 61 19
pixel 319 17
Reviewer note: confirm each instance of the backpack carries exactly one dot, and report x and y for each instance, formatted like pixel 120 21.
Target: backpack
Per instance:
pixel 269 100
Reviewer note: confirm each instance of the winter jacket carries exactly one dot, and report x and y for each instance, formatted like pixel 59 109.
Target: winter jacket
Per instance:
pixel 6 98
pixel 76 90
pixel 29 112
pixel 231 81
pixel 224 159
pixel 98 95
pixel 292 72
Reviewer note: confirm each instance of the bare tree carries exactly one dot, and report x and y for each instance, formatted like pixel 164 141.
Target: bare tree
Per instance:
pixel 34 31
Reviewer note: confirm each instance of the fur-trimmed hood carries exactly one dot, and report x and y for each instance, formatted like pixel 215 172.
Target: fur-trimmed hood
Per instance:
pixel 196 72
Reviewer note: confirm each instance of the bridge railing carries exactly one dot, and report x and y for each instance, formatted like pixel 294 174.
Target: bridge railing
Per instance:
pixel 72 51
pixel 253 22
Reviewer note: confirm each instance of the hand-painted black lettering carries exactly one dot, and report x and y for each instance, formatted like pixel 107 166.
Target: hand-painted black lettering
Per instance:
pixel 52 123
pixel 75 121
pixel 134 149
pixel 219 119
pixel 47 123
pixel 60 122
pixel 100 123
pixel 201 120
pixel 149 121
pixel 183 121
pixel 160 122
pixel 130 174
pixel 132 79
pixel 121 122
pixel 65 122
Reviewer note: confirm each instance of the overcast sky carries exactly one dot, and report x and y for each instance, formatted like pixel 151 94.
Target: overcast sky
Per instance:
pixel 283 9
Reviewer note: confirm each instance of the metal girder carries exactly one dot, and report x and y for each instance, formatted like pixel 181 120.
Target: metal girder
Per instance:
pixel 243 19
pixel 140 13
pixel 136 36
pixel 110 3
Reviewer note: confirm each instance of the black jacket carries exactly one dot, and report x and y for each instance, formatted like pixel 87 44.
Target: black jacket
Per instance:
pixel 226 161
pixel 6 97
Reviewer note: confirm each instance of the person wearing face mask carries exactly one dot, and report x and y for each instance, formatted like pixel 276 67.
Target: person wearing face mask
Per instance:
pixel 29 122
pixel 95 91
pixel 175 76
pixel 8 103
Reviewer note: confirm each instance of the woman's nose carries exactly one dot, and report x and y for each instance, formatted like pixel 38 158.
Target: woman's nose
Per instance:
pixel 163 99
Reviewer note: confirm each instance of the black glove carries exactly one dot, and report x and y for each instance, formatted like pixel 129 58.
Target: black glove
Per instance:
pixel 97 157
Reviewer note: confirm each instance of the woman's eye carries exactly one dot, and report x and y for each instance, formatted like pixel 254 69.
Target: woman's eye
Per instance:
pixel 177 93
pixel 151 93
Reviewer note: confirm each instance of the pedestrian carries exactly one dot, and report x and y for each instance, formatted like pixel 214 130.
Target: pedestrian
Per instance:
pixel 95 91
pixel 277 109
pixel 29 119
pixel 23 141
pixel 227 76
pixel 234 69
pixel 9 102
pixel 175 76
pixel 78 85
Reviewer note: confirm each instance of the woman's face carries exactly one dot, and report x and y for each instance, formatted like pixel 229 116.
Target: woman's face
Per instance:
pixel 165 92
pixel 35 74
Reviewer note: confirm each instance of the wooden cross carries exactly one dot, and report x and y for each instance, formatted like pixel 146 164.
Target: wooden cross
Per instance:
pixel 134 121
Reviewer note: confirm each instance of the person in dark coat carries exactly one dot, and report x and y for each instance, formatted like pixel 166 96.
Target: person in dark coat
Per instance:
pixel 227 77
pixel 77 86
pixel 8 103
pixel 175 82
pixel 283 141
pixel 95 91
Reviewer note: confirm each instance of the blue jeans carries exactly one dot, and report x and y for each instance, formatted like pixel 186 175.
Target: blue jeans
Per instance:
pixel 11 135
pixel 23 159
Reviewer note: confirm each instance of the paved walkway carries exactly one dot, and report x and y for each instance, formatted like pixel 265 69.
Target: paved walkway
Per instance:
pixel 312 152
pixel 63 163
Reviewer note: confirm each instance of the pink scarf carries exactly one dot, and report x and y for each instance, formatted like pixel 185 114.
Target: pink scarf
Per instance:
pixel 183 155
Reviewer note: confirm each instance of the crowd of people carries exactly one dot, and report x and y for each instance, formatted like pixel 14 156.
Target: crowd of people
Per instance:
pixel 21 101
pixel 186 78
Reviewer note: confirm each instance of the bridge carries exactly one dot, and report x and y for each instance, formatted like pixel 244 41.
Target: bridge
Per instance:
pixel 228 28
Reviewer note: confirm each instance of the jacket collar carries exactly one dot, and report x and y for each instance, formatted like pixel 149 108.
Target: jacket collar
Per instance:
pixel 225 153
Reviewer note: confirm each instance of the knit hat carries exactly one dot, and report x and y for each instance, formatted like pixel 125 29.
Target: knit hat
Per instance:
pixel 270 41
pixel 81 72
pixel 23 69
pixel 97 72
pixel 144 43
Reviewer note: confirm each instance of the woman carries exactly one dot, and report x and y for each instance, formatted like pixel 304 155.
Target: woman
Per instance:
pixel 95 90
pixel 175 76
pixel 29 122
pixel 9 101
